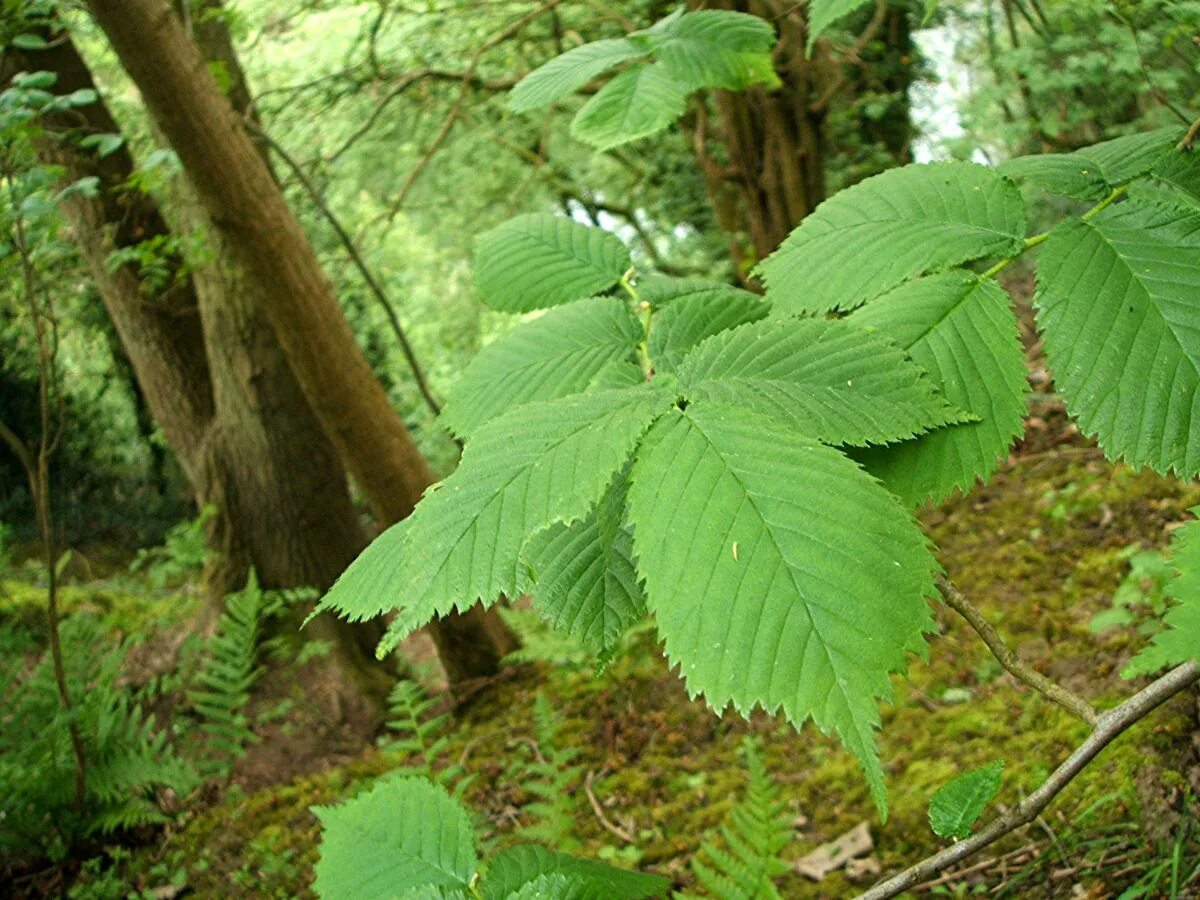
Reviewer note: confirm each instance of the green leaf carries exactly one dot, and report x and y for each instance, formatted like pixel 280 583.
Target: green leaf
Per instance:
pixel 403 833
pixel 1119 306
pixel 1173 182
pixel 557 886
pixel 557 354
pixel 537 260
pixel 889 228
pixel 30 42
pixel 1090 173
pixel 537 465
pixel 715 49
pixel 963 332
pixel 827 379
pixel 642 100
pixel 586 581
pixel 780 574
pixel 930 9
pixel 959 803
pixel 1180 641
pixel 371 578
pixel 35 80
pixel 512 869
pixel 567 73
pixel 689 318
pixel 823 13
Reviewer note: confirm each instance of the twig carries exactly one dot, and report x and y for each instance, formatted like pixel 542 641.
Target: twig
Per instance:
pixel 456 110
pixel 604 821
pixel 1109 726
pixel 977 867
pixel 1068 700
pixel 1190 138
pixel 368 276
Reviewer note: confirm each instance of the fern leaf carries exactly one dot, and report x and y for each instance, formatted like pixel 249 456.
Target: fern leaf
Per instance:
pixel 959 803
pixel 586 580
pixel 512 869
pixel 557 354
pixel 540 464
pixel 963 332
pixel 779 573
pixel 537 261
pixel 928 217
pixel 567 73
pixel 755 830
pixel 1090 173
pixel 1180 641
pixel 403 833
pixel 827 379
pixel 823 13
pixel 690 318
pixel 714 49
pixel 1119 305
pixel 640 101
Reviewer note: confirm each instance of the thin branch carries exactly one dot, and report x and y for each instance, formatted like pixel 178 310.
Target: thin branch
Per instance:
pixel 1109 726
pixel 1190 138
pixel 604 821
pixel 455 111
pixel 364 270
pixel 1053 691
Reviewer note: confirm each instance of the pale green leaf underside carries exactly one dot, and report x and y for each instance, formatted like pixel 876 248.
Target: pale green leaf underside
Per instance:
pixel 829 380
pixel 1090 173
pixel 567 73
pixel 557 354
pixel 963 332
pixel 537 261
pixel 1173 182
pixel 660 290
pixel 540 464
pixel 959 803
pixel 889 228
pixel 1119 307
pixel 404 832
pixel 716 49
pixel 515 867
pixel 557 886
pixel 1180 641
pixel 688 320
pixel 585 578
pixel 779 573
pixel 823 13
pixel 642 100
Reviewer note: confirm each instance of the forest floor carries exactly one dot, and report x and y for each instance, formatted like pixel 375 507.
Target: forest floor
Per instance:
pixel 1040 550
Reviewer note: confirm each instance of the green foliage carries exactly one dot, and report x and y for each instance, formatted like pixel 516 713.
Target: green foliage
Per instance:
pixel 181 555
pixel 546 770
pixel 1091 173
pixel 959 803
pixel 682 53
pixel 890 228
pixel 408 835
pixel 227 675
pixel 780 572
pixel 1144 588
pixel 1180 640
pixel 1117 302
pixel 745 861
pixel 128 758
pixel 536 261
pixel 420 736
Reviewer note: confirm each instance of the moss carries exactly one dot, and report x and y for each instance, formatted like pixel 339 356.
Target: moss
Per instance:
pixel 1039 550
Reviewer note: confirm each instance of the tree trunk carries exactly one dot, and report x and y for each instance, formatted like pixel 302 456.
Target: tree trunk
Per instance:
pixel 216 383
pixel 267 244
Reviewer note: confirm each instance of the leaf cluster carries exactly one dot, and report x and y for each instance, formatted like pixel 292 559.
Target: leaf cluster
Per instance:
pixel 745 468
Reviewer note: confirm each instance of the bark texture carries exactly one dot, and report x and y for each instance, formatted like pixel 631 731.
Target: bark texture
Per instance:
pixel 267 245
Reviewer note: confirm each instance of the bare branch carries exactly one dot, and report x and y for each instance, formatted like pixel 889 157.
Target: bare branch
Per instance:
pixel 1053 691
pixel 1109 726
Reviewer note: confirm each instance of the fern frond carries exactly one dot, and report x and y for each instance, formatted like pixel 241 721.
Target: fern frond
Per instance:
pixel 745 862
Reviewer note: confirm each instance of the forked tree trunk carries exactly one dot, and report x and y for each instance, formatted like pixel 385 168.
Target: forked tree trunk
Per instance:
pixel 268 246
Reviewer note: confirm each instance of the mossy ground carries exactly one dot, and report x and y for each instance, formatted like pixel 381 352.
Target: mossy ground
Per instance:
pixel 1038 550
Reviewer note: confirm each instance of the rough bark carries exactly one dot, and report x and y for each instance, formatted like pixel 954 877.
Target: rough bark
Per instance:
pixel 268 246
pixel 216 383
